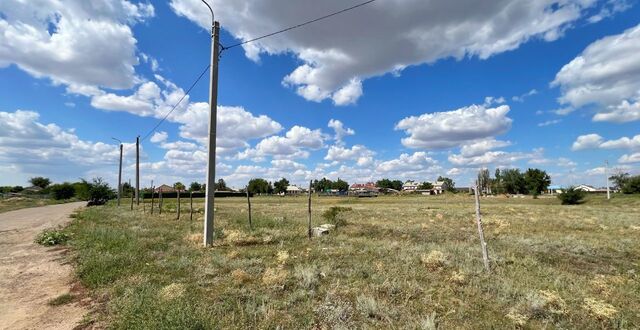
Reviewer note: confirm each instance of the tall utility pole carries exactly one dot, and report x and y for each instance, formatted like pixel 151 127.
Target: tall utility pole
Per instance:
pixel 606 173
pixel 119 173
pixel 138 170
pixel 209 206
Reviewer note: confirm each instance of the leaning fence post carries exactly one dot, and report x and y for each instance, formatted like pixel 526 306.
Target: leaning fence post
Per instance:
pixel 191 206
pixel 485 253
pixel 178 217
pixel 153 192
pixel 309 215
pixel 249 204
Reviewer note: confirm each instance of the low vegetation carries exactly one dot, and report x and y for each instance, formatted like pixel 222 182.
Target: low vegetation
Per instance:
pixel 572 196
pixel 50 237
pixel 401 262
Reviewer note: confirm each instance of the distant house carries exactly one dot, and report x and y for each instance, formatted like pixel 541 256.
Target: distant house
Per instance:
pixel 294 190
pixel 368 189
pixel 164 189
pixel 439 187
pixel 586 188
pixel 410 186
pixel 369 186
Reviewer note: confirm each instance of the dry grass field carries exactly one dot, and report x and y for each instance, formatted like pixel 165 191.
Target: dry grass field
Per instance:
pixel 399 262
pixel 16 203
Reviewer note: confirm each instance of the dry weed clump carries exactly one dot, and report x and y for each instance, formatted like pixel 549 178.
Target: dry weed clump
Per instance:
pixel 172 291
pixel 274 276
pixel 308 276
pixel 599 309
pixel 282 257
pixel 517 318
pixel 238 238
pixel 195 238
pixel 458 278
pixel 546 301
pixel 602 283
pixel 240 276
pixel 434 260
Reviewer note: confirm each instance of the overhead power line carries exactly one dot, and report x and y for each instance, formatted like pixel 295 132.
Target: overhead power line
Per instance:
pixel 300 25
pixel 178 103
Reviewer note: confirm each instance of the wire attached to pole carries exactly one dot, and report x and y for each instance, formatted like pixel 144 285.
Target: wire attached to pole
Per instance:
pixel 178 103
pixel 300 25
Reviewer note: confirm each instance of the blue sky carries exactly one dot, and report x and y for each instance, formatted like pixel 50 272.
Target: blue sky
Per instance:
pixel 428 90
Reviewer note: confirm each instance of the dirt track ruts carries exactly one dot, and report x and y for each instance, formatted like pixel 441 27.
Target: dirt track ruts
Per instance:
pixel 31 275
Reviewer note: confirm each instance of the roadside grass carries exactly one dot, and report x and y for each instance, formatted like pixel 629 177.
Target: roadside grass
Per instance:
pixel 399 262
pixel 16 203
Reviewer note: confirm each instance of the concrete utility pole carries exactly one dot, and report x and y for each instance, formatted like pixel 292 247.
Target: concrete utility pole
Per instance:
pixel 606 174
pixel 119 173
pixel 483 244
pixel 138 170
pixel 209 206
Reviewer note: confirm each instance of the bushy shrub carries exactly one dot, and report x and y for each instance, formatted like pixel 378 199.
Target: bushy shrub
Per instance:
pixel 571 196
pixel 632 186
pixel 62 191
pixel 51 237
pixel 332 215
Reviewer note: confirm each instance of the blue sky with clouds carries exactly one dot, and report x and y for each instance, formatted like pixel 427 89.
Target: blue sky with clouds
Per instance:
pixel 401 89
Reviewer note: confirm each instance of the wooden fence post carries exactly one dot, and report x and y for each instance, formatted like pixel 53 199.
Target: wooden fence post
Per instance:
pixel 160 202
pixel 132 201
pixel 153 192
pixel 191 206
pixel 249 204
pixel 178 217
pixel 309 215
pixel 485 253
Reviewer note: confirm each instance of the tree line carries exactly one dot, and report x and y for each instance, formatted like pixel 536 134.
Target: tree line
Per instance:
pixel 511 181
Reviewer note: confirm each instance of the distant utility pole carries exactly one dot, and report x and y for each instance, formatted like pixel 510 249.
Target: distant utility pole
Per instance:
pixel 209 206
pixel 119 173
pixel 606 174
pixel 138 170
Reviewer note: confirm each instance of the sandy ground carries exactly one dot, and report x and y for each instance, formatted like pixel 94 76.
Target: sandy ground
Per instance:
pixel 31 275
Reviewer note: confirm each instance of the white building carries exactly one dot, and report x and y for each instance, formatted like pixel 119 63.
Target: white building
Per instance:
pixel 294 190
pixel 410 186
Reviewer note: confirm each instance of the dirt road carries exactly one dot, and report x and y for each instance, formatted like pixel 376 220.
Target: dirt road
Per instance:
pixel 31 275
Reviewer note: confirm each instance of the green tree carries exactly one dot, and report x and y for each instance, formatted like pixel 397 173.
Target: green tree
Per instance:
pixel 425 186
pixel 340 185
pixel 632 185
pixel 16 189
pixel 513 181
pixel 536 181
pixel 484 181
pixel 82 189
pixel 100 190
pixel 39 181
pixel 496 184
pixel 194 186
pixel 322 185
pixel 389 184
pixel 127 189
pixel 619 179
pixel 221 185
pixel 280 186
pixel 62 191
pixel 259 186
pixel 178 186
pixel 449 185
